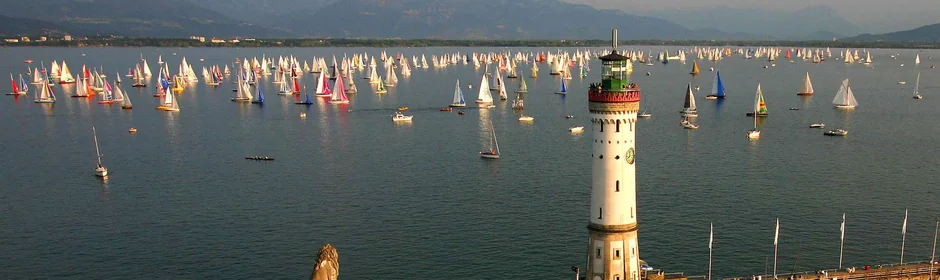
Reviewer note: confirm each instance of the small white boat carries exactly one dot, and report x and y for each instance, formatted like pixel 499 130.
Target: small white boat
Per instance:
pixel 100 170
pixel 399 117
pixel 303 115
pixel 754 133
pixel 569 117
pixel 525 118
pixel 576 129
pixel 644 115
pixel 902 82
pixel 837 132
pixel 817 125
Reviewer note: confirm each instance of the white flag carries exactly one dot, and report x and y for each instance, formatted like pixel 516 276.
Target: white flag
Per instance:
pixel 777 232
pixel 711 235
pixel 904 227
pixel 843 226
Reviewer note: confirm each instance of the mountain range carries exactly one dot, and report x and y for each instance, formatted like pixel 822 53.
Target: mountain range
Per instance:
pixel 442 19
pixel 802 24
pixel 163 18
pixel 923 34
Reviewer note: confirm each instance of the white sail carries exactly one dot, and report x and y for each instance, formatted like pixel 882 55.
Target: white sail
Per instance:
pixel 127 99
pixel 916 60
pixel 917 85
pixel 484 96
pixel 118 94
pixel 458 95
pixel 845 98
pixel 502 90
pixel 807 85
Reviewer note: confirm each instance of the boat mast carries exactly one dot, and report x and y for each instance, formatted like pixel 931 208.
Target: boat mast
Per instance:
pixel 97 151
pixel 494 137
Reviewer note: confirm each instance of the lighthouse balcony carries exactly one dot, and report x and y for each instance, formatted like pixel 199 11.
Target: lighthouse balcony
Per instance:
pixel 631 94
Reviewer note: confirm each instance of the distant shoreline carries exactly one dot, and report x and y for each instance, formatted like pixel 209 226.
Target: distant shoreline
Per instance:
pixel 388 43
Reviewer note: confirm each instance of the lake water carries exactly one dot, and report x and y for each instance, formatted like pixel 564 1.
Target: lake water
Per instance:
pixel 415 201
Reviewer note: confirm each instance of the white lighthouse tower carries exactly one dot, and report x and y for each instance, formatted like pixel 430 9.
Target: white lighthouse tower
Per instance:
pixel 613 251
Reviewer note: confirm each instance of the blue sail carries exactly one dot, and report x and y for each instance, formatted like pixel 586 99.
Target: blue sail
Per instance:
pixel 720 87
pixel 308 98
pixel 260 96
pixel 564 88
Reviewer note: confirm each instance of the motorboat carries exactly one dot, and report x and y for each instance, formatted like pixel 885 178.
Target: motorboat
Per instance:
pixel 399 117
pixel 644 114
pixel 817 125
pixel 837 132
pixel 525 118
pixel 576 129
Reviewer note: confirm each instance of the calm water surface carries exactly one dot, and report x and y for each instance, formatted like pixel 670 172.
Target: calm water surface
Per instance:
pixel 415 201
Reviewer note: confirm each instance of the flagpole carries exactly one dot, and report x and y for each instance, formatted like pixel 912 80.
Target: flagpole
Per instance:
pixel 776 236
pixel 903 235
pixel 842 245
pixel 711 235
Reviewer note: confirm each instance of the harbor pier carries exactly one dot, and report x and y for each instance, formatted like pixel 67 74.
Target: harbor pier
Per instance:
pixel 908 271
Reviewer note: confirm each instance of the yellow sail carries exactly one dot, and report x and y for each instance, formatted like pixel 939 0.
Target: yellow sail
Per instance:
pixel 694 68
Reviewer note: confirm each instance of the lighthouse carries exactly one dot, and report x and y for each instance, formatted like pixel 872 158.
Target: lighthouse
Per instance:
pixel 613 250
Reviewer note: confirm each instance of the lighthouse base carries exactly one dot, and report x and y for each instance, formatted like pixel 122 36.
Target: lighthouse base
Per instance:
pixel 613 255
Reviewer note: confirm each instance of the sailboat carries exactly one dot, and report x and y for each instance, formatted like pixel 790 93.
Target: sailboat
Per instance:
pixel 807 88
pixel 260 98
pixel 307 100
pixel 458 96
pixel 126 104
pixel 688 108
pixel 44 94
pixel 522 86
pixel 65 75
pixel 493 153
pixel 503 95
pixel 754 133
pixel 760 107
pixel 339 92
pixel 16 90
pixel 917 88
pixel 285 88
pixel 694 68
pixel 323 86
pixel 562 88
pixel 844 98
pixel 100 170
pixel 380 87
pixel 107 95
pixel 172 104
pixel 484 97
pixel 718 88
pixel 916 60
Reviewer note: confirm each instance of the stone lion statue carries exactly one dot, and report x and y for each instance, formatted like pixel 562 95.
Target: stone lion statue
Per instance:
pixel 327 267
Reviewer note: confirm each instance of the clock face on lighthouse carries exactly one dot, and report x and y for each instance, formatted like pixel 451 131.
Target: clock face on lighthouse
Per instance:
pixel 630 155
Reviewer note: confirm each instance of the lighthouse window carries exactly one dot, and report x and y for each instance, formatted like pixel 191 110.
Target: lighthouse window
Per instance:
pixel 602 126
pixel 618 187
pixel 631 212
pixel 618 125
pixel 598 254
pixel 616 254
pixel 600 213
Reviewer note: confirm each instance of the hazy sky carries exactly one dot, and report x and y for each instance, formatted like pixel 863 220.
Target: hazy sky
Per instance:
pixel 876 15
